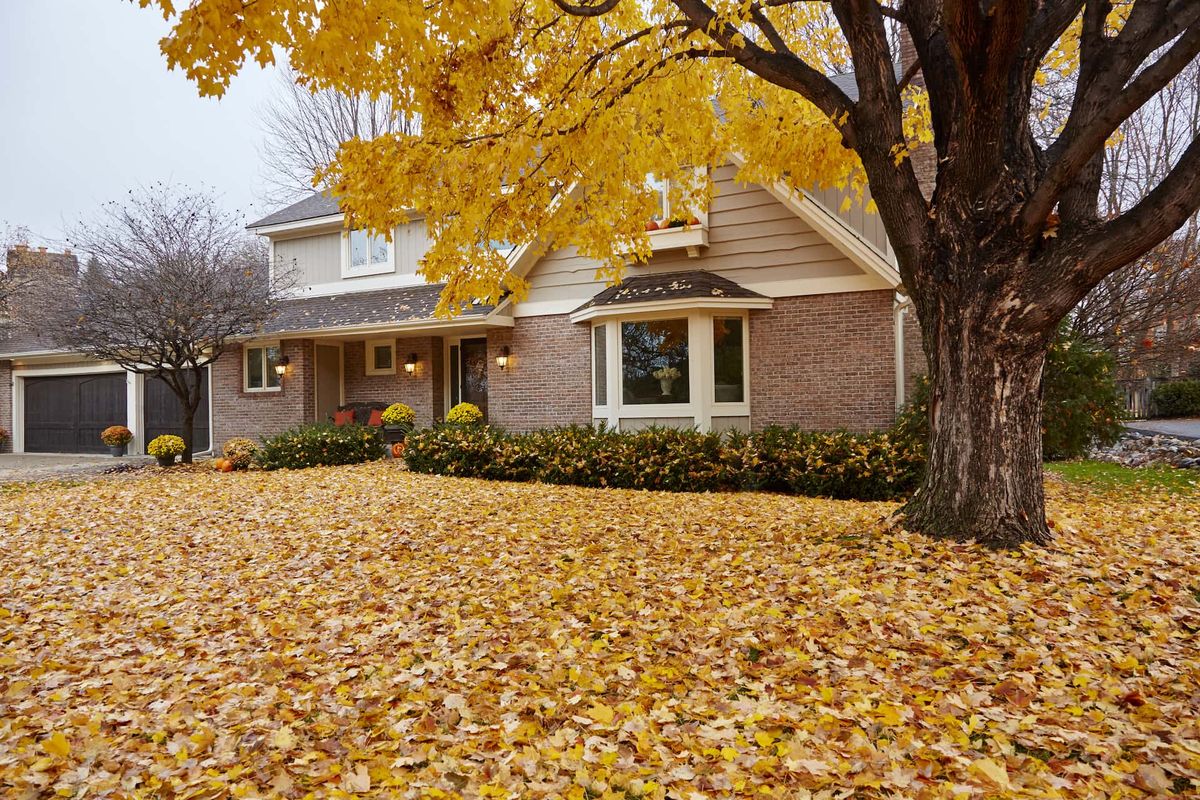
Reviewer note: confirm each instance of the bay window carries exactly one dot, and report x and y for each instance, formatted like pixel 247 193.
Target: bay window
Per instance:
pixel 671 366
pixel 654 362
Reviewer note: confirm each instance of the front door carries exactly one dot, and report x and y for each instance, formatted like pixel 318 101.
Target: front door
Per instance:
pixel 469 373
pixel 328 380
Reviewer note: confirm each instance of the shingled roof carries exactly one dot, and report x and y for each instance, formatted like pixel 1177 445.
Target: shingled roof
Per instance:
pixel 359 309
pixel 317 204
pixel 19 339
pixel 692 284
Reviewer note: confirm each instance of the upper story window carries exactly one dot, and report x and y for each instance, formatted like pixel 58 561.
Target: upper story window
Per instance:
pixel 662 193
pixel 364 253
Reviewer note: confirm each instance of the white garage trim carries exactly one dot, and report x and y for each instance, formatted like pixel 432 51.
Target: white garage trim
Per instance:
pixel 133 399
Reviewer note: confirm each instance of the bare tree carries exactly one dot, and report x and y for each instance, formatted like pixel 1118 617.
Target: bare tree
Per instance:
pixel 304 129
pixel 171 277
pixel 1146 313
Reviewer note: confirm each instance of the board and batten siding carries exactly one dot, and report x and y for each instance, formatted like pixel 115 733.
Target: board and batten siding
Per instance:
pixel 868 224
pixel 754 240
pixel 317 258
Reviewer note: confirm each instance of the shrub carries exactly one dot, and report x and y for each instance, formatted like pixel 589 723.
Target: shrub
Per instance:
pixel 843 465
pixel 464 414
pixel 240 452
pixel 321 444
pixel 166 446
pixel 116 436
pixel 400 415
pixel 1080 404
pixel 1177 399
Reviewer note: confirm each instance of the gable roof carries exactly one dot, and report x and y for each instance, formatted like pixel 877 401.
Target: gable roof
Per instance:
pixel 317 204
pixel 385 307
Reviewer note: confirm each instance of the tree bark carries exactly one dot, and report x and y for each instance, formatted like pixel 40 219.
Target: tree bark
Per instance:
pixel 189 430
pixel 983 480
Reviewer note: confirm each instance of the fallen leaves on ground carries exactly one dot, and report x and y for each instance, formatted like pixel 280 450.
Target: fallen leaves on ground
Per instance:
pixel 364 631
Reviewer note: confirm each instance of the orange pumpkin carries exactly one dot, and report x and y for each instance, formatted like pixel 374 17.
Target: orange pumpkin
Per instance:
pixel 219 464
pixel 651 225
pixel 398 450
pixel 226 465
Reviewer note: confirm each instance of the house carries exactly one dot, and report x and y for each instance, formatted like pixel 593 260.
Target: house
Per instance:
pixel 777 308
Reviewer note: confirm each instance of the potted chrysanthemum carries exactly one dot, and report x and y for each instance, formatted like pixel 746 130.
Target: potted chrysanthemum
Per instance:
pixel 116 438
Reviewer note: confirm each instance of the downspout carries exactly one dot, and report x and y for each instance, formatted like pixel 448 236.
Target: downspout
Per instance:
pixel 900 309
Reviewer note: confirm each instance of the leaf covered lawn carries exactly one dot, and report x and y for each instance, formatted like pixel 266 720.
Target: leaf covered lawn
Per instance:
pixel 363 631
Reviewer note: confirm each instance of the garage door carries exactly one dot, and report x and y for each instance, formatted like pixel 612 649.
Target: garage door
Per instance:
pixel 65 414
pixel 163 414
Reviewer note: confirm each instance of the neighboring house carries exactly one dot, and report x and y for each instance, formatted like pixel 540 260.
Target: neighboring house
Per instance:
pixel 777 308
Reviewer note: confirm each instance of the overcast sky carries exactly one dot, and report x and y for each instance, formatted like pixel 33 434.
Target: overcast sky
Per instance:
pixel 89 111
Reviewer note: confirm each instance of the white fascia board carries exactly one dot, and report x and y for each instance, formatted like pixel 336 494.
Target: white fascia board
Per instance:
pixel 298 225
pixel 492 320
pixel 683 303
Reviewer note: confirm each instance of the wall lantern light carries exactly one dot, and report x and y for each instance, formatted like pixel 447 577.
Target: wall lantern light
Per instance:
pixel 502 358
pixel 410 366
pixel 281 367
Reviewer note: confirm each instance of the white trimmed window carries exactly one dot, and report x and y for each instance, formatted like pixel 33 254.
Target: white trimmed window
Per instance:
pixel 258 367
pixel 364 253
pixel 661 190
pixel 381 357
pixel 671 365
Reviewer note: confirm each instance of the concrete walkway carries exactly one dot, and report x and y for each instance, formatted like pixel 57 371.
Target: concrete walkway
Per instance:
pixel 1182 428
pixel 53 466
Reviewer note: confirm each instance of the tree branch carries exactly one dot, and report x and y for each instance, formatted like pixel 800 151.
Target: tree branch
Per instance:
pixel 1159 214
pixel 587 9
pixel 1082 139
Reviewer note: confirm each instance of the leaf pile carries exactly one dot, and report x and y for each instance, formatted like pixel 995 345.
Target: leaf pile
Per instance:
pixel 365 631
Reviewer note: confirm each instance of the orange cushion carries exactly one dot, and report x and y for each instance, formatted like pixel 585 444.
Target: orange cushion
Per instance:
pixel 343 417
pixel 376 417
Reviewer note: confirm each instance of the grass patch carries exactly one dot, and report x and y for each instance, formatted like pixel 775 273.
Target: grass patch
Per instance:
pixel 1107 477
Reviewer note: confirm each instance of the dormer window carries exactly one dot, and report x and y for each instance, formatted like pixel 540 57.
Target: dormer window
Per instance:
pixel 364 253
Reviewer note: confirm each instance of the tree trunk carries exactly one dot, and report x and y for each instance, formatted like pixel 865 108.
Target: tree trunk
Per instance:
pixel 983 480
pixel 189 433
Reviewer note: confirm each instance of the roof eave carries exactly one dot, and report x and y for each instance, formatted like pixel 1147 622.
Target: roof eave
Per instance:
pixel 674 304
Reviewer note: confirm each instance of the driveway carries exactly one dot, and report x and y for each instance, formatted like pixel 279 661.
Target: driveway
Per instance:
pixel 1183 428
pixel 52 466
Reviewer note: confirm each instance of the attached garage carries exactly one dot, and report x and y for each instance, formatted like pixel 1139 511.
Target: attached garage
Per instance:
pixel 162 413
pixel 66 413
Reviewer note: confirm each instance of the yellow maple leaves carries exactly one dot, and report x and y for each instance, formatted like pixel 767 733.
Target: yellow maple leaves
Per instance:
pixel 366 632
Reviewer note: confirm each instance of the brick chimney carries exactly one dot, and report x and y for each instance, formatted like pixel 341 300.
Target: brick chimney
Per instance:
pixel 29 268
pixel 924 158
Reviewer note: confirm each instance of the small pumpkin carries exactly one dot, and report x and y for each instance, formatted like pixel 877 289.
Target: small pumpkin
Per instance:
pixel 651 225
pixel 219 464
pixel 694 221
pixel 227 466
pixel 398 450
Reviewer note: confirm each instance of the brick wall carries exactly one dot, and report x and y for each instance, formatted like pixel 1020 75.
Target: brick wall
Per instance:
pixel 237 412
pixel 914 353
pixel 548 380
pixel 824 361
pixel 422 390
pixel 6 420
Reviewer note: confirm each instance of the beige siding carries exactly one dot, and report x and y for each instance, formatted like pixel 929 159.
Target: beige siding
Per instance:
pixel 753 240
pixel 317 258
pixel 868 224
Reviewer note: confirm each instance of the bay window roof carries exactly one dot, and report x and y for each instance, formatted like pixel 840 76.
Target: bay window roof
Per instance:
pixel 687 289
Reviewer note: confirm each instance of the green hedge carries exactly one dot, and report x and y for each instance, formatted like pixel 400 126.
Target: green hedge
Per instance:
pixel 840 465
pixel 1177 399
pixel 321 444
